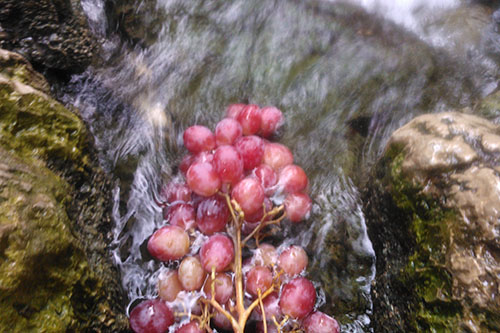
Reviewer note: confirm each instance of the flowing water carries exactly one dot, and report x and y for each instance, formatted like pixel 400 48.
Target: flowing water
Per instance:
pixel 345 74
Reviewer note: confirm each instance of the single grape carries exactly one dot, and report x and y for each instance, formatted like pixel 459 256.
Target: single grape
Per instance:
pixel 292 179
pixel 223 287
pixel 293 260
pixel 272 119
pixel 249 194
pixel 234 109
pixel 259 277
pixel 251 149
pixel 259 214
pixel 277 155
pixel 297 206
pixel 218 252
pixel 271 307
pixel 267 177
pixel 298 298
pixel 198 138
pixel 173 192
pixel 250 119
pixel 191 274
pixel 181 215
pixel 228 164
pixel 151 316
pixel 265 255
pixel 212 214
pixel 191 327
pixel 221 321
pixel 169 286
pixel 169 243
pixel 203 179
pixel 319 322
pixel 227 131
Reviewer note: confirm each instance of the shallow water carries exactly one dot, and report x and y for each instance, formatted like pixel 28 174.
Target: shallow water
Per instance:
pixel 344 75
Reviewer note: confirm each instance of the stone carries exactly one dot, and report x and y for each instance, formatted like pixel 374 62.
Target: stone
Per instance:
pixel 438 184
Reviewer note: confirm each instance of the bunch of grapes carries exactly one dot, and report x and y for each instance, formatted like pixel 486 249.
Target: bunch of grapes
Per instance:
pixel 238 187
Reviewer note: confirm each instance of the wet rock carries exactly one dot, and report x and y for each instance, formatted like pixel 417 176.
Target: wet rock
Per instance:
pixel 50 33
pixel 55 268
pixel 434 221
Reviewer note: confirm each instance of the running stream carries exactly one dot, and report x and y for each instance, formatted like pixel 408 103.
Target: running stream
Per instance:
pixel 345 74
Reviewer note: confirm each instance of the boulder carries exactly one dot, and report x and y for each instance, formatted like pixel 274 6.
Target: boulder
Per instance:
pixel 433 217
pixel 56 272
pixel 52 34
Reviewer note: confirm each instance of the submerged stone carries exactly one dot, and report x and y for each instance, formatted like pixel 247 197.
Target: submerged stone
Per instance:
pixel 433 218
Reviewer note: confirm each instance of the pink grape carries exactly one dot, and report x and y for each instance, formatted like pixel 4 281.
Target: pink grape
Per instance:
pixel 249 194
pixel 266 255
pixel 271 307
pixel 175 192
pixel 191 274
pixel 293 260
pixel 272 119
pixel 259 214
pixel 234 109
pixel 228 164
pixel 169 243
pixel 259 277
pixel 250 119
pixel 227 131
pixel 292 179
pixel 267 177
pixel 203 179
pixel 169 286
pixel 251 149
pixel 218 252
pixel 212 214
pixel 191 327
pixel 298 298
pixel 151 316
pixel 319 322
pixel 223 287
pixel 297 206
pixel 198 138
pixel 181 215
pixel 277 155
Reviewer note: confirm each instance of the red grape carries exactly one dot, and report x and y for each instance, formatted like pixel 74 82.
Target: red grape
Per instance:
pixel 151 316
pixel 186 163
pixel 191 327
pixel 272 119
pixel 293 260
pixel 259 277
pixel 271 327
pixel 227 131
pixel 218 252
pixel 277 155
pixel 223 287
pixel 297 206
pixel 175 192
pixel 228 164
pixel 319 322
pixel 249 194
pixel 267 176
pixel 292 178
pixel 198 138
pixel 203 179
pixel 259 214
pixel 234 109
pixel 169 286
pixel 191 274
pixel 250 119
pixel 169 243
pixel 298 297
pixel 221 321
pixel 271 307
pixel 251 149
pixel 181 215
pixel 212 214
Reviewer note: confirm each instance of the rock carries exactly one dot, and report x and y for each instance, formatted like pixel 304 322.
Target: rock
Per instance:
pixel 55 267
pixel 433 217
pixel 50 33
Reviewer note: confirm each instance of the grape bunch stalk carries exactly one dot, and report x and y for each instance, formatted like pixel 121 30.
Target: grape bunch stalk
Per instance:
pixel 235 188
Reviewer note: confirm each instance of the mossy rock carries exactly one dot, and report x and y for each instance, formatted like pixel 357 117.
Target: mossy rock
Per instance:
pixel 55 268
pixel 432 219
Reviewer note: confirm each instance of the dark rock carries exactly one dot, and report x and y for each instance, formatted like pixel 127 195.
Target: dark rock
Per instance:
pixel 51 34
